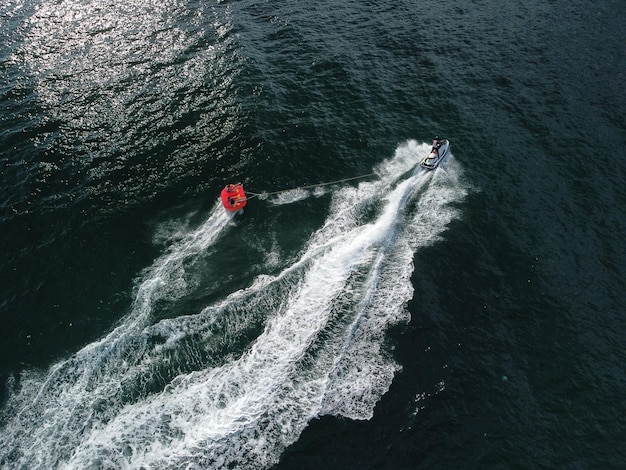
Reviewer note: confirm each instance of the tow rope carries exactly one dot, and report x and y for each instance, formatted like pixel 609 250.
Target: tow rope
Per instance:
pixel 308 186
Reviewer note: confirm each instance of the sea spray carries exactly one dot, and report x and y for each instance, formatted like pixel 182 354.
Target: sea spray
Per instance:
pixel 267 358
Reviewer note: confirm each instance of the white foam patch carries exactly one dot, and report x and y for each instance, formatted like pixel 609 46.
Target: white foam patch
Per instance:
pixel 62 404
pixel 269 358
pixel 288 197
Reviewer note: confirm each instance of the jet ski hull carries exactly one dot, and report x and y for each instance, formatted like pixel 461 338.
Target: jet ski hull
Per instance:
pixel 436 155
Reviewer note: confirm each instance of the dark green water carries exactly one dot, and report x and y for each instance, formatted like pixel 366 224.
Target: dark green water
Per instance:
pixel 471 317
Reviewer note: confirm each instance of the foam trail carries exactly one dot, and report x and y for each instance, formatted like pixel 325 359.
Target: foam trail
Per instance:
pixel 290 196
pixel 313 344
pixel 58 400
pixel 236 396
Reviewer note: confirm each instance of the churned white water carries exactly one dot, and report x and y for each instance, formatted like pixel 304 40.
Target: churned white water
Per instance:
pixel 268 358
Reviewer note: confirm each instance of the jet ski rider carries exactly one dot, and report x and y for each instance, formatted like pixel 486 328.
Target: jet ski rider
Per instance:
pixel 436 146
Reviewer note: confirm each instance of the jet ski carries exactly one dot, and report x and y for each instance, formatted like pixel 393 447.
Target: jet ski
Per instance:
pixel 439 150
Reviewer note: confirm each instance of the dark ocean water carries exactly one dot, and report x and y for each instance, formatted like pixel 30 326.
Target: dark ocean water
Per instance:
pixel 469 317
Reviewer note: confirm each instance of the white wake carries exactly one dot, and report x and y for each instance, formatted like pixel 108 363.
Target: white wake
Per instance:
pixel 264 361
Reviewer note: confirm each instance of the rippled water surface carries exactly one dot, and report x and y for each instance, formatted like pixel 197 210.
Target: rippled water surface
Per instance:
pixel 362 312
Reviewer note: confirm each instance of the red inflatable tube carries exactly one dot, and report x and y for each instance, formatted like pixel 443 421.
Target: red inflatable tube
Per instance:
pixel 233 197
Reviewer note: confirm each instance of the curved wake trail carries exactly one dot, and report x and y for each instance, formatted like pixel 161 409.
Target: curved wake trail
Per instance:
pixel 68 397
pixel 313 344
